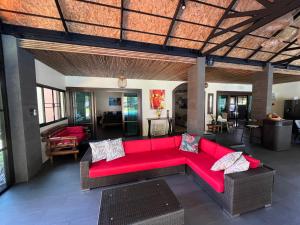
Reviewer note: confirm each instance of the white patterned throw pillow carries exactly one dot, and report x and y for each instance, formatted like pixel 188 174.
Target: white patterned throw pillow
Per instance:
pixel 116 150
pixel 226 161
pixel 99 150
pixel 239 166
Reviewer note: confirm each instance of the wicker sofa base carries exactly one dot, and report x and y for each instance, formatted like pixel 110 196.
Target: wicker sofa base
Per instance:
pixel 244 191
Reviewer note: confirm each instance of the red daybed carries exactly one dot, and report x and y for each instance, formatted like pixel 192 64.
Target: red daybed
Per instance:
pixel 161 156
pixel 64 140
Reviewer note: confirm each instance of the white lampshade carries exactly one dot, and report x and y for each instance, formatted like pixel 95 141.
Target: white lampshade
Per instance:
pixel 122 82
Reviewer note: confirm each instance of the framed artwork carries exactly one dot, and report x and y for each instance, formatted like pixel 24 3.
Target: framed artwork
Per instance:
pixel 157 99
pixel 210 103
pixel 114 101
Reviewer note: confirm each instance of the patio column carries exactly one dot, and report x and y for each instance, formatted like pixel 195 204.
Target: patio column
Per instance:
pixel 196 97
pixel 19 68
pixel 262 93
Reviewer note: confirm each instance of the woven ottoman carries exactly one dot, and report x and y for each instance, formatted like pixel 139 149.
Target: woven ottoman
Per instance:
pixel 149 203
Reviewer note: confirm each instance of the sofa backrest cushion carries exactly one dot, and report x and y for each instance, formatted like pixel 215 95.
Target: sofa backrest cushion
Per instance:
pixel 136 146
pixel 254 163
pixel 207 146
pixel 167 143
pixel 177 140
pixel 221 151
pixel 74 130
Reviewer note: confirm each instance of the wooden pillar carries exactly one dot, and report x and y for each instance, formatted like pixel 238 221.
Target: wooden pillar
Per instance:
pixel 262 93
pixel 196 97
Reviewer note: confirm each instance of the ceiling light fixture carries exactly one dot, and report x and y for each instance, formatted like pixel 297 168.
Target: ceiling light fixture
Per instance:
pixel 183 4
pixel 122 82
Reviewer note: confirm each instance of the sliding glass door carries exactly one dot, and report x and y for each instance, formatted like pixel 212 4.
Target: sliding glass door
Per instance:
pixel 5 163
pixel 131 125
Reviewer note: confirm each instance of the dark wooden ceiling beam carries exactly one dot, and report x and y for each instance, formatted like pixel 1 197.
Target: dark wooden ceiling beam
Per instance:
pixel 121 20
pixel 265 3
pixel 245 13
pixel 282 50
pixel 232 47
pixel 278 10
pixel 62 18
pixel 228 9
pixel 286 61
pixel 172 22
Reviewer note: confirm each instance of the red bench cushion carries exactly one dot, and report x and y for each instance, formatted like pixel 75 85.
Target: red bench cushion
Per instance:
pixel 158 144
pixel 177 140
pixel 74 130
pixel 136 146
pixel 208 146
pixel 201 164
pixel 136 162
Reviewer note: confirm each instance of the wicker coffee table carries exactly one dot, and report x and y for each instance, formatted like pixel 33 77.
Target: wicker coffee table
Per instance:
pixel 149 202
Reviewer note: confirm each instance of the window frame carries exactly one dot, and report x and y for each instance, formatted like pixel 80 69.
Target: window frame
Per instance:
pixel 60 104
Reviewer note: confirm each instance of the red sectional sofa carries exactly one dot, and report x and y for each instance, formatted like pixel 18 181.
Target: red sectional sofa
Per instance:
pixel 161 156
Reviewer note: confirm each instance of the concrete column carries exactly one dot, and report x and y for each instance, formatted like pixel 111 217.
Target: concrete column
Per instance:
pixel 262 93
pixel 22 99
pixel 196 97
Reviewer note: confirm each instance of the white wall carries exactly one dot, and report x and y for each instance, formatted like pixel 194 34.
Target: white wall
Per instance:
pixel 144 85
pixel 102 100
pixel 283 92
pixel 47 76
pixel 214 87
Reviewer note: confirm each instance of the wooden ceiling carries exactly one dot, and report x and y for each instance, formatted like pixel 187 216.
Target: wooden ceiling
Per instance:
pixel 230 28
pixel 79 64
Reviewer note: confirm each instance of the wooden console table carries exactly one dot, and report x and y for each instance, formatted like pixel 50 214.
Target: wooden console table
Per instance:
pixel 170 120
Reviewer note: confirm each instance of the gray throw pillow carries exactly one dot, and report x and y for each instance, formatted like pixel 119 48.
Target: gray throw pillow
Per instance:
pixel 116 150
pixel 99 150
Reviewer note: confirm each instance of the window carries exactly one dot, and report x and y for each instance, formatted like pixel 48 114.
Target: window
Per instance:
pixel 51 105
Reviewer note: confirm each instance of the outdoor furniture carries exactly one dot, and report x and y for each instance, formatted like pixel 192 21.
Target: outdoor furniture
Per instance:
pixel 145 203
pixel 251 128
pixel 277 134
pixel 155 157
pixel 296 130
pixel 63 140
pixel 214 128
pixel 168 119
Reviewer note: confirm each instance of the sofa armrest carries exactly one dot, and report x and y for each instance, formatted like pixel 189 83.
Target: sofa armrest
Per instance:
pixel 249 190
pixel 85 163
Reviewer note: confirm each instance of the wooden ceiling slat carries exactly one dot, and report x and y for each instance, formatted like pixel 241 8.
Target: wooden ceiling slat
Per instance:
pixel 239 53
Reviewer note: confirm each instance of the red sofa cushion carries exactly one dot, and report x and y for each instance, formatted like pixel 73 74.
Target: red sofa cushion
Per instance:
pixel 201 164
pixel 74 130
pixel 254 163
pixel 177 140
pixel 208 146
pixel 135 146
pixel 136 162
pixel 158 144
pixel 221 151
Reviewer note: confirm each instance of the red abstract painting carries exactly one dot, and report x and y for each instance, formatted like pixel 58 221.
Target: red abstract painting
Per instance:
pixel 157 99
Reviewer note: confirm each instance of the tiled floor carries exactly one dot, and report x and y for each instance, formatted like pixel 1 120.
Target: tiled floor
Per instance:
pixel 54 197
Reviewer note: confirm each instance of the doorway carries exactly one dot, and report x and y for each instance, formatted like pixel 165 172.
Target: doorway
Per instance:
pixel 107 113
pixel 234 106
